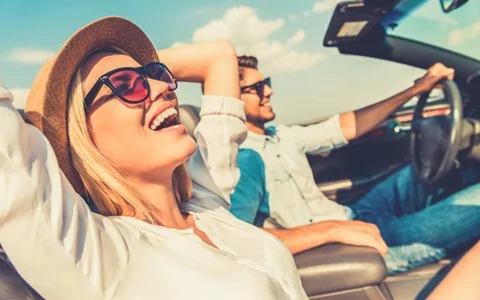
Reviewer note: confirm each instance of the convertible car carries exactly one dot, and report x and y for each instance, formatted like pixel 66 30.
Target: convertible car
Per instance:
pixel 436 133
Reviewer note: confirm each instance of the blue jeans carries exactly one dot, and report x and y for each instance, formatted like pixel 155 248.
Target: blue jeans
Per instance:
pixel 423 224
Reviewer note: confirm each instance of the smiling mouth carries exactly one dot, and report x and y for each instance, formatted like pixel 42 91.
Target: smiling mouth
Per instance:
pixel 166 119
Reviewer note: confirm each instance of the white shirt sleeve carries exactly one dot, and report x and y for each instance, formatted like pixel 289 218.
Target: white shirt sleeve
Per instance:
pixel 47 230
pixel 213 167
pixel 317 138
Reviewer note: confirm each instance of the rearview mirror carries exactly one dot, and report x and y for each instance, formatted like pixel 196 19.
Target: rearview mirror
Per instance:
pixel 449 5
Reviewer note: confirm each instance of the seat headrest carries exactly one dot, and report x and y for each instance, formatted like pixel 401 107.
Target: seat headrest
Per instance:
pixel 190 116
pixel 12 285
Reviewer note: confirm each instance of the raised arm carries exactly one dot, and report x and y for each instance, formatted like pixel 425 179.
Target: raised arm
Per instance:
pixel 45 227
pixel 214 65
pixel 359 122
pixel 213 167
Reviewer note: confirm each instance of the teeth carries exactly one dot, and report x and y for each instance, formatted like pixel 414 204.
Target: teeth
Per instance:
pixel 161 117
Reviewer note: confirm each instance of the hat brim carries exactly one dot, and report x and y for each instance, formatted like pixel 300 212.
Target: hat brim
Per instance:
pixel 46 106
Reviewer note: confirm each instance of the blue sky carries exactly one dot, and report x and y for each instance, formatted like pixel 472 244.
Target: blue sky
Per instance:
pixel 309 80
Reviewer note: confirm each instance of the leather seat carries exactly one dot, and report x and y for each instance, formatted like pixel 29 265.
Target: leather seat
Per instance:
pixel 323 270
pixel 12 285
pixel 190 116
pixel 333 268
pixel 419 282
pixel 336 267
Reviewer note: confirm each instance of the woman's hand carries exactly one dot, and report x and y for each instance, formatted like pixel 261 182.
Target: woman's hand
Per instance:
pixel 212 64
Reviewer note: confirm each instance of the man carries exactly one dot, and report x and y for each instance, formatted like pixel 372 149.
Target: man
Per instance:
pixel 277 184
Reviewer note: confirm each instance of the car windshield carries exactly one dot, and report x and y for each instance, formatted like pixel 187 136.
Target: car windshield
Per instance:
pixel 458 31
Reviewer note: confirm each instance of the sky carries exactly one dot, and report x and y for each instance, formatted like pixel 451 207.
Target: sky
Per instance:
pixel 309 80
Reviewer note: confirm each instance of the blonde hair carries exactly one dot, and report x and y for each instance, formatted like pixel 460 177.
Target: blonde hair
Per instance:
pixel 105 185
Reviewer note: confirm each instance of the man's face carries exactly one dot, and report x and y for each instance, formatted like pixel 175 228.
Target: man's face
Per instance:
pixel 257 107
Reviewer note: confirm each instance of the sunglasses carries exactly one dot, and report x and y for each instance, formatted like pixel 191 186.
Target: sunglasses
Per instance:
pixel 258 87
pixel 131 84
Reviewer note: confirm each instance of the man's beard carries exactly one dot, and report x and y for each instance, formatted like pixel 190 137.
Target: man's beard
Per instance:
pixel 259 120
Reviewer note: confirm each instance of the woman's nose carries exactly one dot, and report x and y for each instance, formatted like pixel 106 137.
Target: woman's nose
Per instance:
pixel 158 89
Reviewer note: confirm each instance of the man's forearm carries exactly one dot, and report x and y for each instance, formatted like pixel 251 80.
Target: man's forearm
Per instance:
pixel 303 238
pixel 357 123
pixel 306 237
pixel 367 118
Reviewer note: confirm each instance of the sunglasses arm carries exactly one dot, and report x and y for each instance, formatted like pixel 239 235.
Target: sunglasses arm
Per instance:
pixel 93 93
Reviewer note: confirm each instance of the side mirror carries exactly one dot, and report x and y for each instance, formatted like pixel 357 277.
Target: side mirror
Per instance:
pixel 450 5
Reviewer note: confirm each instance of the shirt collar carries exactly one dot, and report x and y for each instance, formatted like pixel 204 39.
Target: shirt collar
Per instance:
pixel 255 139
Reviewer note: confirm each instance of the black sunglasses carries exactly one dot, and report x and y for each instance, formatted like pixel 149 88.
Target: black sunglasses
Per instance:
pixel 258 87
pixel 131 84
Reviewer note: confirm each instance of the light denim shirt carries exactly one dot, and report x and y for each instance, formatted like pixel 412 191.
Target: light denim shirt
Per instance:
pixel 65 251
pixel 277 181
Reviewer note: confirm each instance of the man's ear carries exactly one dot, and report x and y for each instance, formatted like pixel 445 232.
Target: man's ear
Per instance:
pixel 241 72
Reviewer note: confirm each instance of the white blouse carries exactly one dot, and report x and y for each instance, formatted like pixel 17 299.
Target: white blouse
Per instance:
pixel 64 251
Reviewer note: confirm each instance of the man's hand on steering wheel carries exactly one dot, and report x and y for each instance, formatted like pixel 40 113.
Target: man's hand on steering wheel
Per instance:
pixel 434 74
pixel 435 141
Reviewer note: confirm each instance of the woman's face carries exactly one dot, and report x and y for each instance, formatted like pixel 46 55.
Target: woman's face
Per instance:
pixel 123 132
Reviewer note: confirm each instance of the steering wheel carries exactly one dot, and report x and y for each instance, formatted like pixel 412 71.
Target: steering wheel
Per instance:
pixel 435 141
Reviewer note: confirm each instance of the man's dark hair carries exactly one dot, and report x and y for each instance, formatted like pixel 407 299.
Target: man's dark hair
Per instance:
pixel 244 62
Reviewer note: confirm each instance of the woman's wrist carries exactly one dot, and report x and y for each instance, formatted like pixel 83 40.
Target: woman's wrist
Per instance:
pixel 222 78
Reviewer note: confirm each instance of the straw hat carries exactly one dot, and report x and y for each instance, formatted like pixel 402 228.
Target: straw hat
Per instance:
pixel 46 106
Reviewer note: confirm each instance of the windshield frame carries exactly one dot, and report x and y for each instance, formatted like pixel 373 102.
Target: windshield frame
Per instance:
pixel 425 23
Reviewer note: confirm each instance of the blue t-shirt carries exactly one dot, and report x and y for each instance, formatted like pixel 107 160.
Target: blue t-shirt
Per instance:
pixel 250 199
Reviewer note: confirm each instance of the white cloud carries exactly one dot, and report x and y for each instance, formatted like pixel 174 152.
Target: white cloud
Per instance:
pixel 30 56
pixel 324 5
pixel 263 49
pixel 460 36
pixel 297 38
pixel 20 96
pixel 239 25
pixel 296 61
pixel 251 35
pixel 269 49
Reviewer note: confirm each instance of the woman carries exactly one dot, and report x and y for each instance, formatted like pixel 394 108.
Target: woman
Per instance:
pixel 109 110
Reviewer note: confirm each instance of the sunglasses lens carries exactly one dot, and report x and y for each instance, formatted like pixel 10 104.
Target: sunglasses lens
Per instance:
pixel 159 72
pixel 129 84
pixel 260 87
